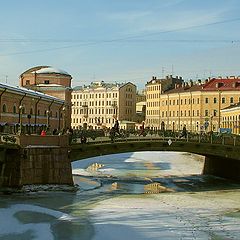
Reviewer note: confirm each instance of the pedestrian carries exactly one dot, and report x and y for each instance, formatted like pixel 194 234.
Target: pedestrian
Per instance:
pixel 116 127
pixel 184 132
pixel 43 133
pixel 142 129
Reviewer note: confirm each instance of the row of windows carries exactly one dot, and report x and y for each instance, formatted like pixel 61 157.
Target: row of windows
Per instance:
pixel 154 88
pixel 195 113
pixel 128 95
pixel 232 118
pixel 97 95
pixel 14 111
pixel 94 120
pixel 96 103
pixel 94 111
pixel 188 101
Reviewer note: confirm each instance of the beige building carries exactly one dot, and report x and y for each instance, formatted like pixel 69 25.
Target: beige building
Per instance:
pixel 173 103
pixel 231 118
pixel 100 104
pixel 51 81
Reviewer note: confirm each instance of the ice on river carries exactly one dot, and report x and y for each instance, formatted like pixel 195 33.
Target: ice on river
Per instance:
pixel 167 216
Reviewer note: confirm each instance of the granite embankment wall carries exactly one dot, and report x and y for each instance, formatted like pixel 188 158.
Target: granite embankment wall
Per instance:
pixel 27 163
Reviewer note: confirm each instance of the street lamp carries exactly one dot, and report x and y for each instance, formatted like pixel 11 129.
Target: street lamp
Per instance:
pixel 20 119
pixel 47 112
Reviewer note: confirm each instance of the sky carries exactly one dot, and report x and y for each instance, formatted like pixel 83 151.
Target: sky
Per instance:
pixel 120 40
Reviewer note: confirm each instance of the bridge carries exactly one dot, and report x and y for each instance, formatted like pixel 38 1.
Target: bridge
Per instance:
pixel 221 153
pixel 32 159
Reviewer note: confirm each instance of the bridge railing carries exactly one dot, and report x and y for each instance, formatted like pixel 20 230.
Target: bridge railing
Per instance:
pixel 94 137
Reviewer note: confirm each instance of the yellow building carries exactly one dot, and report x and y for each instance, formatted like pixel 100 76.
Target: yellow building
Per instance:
pixel 231 118
pixel 173 103
pixel 100 104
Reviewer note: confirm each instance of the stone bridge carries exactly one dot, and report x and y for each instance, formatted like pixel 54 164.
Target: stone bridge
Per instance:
pixel 221 159
pixel 28 159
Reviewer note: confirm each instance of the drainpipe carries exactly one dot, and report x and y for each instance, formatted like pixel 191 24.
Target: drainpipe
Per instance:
pixel 1 101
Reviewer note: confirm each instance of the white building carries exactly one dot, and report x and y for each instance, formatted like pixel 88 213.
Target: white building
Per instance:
pixel 100 104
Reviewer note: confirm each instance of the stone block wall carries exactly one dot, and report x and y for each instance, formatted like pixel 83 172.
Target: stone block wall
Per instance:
pixel 45 165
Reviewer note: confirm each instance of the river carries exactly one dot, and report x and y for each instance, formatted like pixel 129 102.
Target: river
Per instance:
pixel 139 195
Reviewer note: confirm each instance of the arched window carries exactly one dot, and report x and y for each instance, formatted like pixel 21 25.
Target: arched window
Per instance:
pixel 45 113
pixel 31 111
pixel 14 109
pixel 56 114
pixel 38 113
pixel 4 108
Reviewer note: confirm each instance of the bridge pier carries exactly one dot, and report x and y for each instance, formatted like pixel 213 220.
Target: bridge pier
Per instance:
pixel 222 167
pixel 37 164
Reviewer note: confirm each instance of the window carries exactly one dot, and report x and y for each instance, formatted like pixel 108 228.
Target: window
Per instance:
pixel 214 112
pixel 223 100
pixel 215 100
pixel 4 108
pixel 206 113
pixel 14 109
pixel 46 81
pixel 206 100
pixel 27 82
pixel 231 99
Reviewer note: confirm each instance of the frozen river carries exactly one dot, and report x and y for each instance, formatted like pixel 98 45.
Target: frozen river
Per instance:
pixel 142 195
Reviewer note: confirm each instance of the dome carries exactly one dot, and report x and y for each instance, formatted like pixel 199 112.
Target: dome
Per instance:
pixel 46 70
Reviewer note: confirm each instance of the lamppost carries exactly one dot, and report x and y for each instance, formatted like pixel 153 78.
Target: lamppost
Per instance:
pixel 64 122
pixel 47 118
pixel 29 118
pixel 20 119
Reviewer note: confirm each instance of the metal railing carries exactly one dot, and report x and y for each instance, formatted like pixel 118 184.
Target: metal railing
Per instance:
pixel 93 137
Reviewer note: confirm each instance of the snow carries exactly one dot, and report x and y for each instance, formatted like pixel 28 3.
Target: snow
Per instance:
pixel 166 216
pixel 51 70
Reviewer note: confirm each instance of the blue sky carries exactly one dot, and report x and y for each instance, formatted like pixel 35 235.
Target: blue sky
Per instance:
pixel 120 40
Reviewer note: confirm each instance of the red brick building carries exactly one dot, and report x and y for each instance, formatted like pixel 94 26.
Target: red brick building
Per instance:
pixel 51 81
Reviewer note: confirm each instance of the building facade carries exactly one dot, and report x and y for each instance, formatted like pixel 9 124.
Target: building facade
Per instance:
pixel 100 104
pixel 173 103
pixel 231 118
pixel 51 81
pixel 28 111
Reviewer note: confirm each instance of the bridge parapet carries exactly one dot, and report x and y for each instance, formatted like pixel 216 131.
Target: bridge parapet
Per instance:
pixel 24 140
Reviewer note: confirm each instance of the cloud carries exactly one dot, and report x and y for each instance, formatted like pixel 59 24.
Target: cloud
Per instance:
pixel 164 17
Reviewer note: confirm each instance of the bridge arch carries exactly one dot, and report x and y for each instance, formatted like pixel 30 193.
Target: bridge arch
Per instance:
pixel 220 160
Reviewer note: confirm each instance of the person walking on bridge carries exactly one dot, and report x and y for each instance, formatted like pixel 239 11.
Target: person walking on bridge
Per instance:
pixel 116 127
